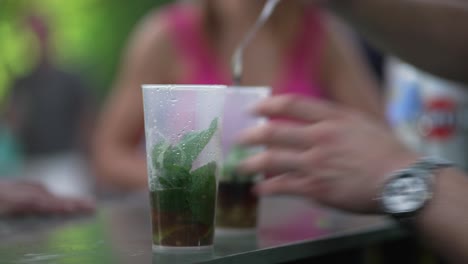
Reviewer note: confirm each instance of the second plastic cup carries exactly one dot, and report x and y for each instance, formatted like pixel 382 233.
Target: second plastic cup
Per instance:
pixel 237 205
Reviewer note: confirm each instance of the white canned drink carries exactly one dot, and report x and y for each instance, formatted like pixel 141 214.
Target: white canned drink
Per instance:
pixel 428 113
pixel 443 124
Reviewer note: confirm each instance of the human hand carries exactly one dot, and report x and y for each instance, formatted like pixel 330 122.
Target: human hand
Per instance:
pixel 334 155
pixel 27 198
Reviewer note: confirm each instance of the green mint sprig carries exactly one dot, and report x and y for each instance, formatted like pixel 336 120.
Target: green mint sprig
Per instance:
pixel 180 188
pixel 234 157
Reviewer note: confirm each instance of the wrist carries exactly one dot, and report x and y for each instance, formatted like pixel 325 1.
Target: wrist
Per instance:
pixel 447 186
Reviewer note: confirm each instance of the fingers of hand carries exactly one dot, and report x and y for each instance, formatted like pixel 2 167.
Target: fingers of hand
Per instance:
pixel 61 205
pixel 272 161
pixel 292 153
pixel 287 184
pixel 276 135
pixel 295 137
pixel 39 203
pixel 28 205
pixel 294 184
pixel 298 108
pixel 82 205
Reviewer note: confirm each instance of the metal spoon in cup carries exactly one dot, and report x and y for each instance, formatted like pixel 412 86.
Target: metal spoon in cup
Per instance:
pixel 237 58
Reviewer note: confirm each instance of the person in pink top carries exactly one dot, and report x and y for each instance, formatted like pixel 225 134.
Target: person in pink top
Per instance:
pixel 301 50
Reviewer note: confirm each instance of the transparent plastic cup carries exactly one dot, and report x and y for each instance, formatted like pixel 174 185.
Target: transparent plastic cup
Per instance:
pixel 237 205
pixel 183 144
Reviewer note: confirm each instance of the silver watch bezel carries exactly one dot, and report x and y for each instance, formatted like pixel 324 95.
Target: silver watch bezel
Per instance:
pixel 426 177
pixel 425 169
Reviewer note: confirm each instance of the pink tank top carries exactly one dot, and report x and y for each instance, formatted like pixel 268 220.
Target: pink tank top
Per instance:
pixel 299 75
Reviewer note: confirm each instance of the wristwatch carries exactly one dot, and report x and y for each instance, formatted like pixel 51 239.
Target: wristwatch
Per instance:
pixel 408 190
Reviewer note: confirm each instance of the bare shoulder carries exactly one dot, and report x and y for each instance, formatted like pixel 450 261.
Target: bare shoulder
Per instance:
pixel 155 31
pixel 151 55
pixel 151 36
pixel 336 30
pixel 340 40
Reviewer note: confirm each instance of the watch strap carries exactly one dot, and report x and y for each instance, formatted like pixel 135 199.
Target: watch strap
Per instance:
pixel 432 163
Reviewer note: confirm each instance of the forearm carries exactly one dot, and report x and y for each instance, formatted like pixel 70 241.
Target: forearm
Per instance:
pixel 121 170
pixel 428 33
pixel 444 222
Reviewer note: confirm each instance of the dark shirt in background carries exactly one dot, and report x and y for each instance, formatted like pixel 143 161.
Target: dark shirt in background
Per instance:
pixel 48 107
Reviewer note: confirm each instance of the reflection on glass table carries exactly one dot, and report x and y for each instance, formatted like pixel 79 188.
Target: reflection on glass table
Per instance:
pixel 120 232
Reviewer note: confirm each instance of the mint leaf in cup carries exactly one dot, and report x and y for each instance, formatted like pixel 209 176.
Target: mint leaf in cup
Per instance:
pixel 183 198
pixel 185 152
pixel 194 142
pixel 234 157
pixel 203 192
pixel 169 160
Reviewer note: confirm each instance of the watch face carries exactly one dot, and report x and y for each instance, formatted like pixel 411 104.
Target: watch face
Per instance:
pixel 406 193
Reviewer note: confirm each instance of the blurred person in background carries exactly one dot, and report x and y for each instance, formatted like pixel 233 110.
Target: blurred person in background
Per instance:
pixel 50 113
pixel 299 51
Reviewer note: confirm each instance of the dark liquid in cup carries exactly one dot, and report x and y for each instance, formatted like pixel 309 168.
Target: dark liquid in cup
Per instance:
pixel 175 223
pixel 237 205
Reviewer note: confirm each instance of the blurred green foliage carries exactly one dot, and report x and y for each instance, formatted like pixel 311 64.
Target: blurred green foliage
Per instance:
pixel 87 35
